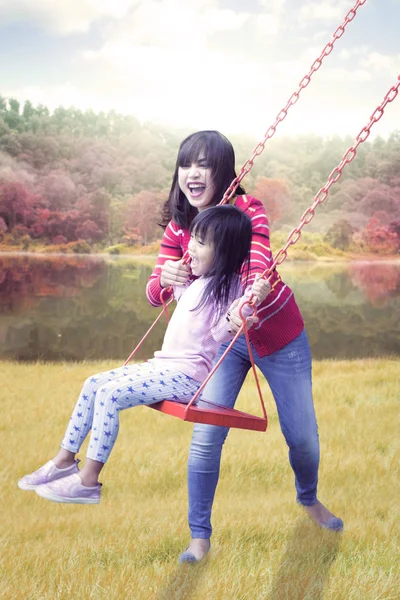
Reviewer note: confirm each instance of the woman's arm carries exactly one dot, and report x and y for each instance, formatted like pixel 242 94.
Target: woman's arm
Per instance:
pixel 169 270
pixel 260 251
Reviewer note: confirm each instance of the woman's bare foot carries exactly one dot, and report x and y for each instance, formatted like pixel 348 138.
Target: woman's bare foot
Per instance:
pixel 196 551
pixel 323 517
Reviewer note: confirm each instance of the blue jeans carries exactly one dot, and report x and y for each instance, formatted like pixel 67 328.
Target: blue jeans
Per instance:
pixel 288 373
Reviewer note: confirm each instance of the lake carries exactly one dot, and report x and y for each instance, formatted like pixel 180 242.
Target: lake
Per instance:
pixel 74 308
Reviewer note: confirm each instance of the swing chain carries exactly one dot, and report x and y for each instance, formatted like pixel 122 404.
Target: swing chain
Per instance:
pixel 248 165
pixel 335 175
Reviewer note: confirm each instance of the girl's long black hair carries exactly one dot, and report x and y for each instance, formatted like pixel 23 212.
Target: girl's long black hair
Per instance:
pixel 220 156
pixel 229 231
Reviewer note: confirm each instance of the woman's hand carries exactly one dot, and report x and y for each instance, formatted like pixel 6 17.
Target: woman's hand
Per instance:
pixel 260 289
pixel 174 272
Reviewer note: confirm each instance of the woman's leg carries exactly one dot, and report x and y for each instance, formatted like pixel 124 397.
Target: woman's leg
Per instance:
pixel 206 446
pixel 288 372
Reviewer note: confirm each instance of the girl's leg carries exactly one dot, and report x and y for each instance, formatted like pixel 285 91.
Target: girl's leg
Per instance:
pixel 144 384
pixel 80 422
pixel 64 463
pixel 140 384
pixel 206 447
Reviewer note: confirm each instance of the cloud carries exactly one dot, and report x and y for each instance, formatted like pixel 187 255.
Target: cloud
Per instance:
pixel 63 17
pixel 174 24
pixel 210 68
pixel 324 10
pixel 378 62
pixel 52 96
pixel 77 16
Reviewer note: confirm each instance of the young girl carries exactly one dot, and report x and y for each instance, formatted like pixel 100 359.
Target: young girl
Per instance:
pixel 219 244
pixel 204 170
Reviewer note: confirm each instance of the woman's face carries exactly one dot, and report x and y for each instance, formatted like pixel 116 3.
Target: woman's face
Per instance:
pixel 196 182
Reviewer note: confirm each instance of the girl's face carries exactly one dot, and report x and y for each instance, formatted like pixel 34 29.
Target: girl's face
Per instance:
pixel 196 182
pixel 202 254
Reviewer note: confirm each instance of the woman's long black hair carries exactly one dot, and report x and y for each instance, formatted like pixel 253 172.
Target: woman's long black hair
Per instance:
pixel 220 156
pixel 229 231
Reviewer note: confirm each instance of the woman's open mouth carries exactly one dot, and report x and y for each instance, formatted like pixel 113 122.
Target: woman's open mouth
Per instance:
pixel 196 189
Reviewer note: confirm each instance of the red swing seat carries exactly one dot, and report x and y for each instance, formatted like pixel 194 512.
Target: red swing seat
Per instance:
pixel 211 413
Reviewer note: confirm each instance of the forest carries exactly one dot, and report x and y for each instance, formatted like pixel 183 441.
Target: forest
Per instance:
pixel 80 181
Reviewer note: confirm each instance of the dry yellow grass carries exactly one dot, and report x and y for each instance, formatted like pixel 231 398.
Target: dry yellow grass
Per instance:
pixel 263 545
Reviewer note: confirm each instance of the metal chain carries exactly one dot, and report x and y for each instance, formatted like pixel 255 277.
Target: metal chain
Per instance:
pixel 335 175
pixel 248 165
pixel 306 218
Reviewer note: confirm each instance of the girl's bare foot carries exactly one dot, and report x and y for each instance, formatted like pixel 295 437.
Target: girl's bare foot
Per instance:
pixel 323 517
pixel 196 551
pixel 64 459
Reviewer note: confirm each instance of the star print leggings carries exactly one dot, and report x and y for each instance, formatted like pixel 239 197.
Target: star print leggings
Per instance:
pixel 105 394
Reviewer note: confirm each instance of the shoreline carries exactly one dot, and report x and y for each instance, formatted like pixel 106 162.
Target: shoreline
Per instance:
pixel 366 258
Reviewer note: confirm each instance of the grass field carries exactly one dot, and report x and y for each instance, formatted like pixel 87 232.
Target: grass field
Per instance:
pixel 263 546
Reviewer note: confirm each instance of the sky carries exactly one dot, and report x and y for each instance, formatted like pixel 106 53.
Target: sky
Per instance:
pixel 229 65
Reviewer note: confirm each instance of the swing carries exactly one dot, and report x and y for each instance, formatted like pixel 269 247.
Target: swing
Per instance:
pixel 205 411
pixel 210 413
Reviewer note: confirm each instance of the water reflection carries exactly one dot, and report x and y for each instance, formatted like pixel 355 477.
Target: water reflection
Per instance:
pixel 76 308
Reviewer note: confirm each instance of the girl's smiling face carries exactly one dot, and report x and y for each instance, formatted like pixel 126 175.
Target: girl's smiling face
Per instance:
pixel 202 254
pixel 196 182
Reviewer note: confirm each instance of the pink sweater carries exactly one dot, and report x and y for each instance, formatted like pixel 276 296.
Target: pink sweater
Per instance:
pixel 280 318
pixel 193 337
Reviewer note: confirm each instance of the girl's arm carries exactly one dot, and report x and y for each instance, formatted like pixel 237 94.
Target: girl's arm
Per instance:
pixel 168 270
pixel 223 330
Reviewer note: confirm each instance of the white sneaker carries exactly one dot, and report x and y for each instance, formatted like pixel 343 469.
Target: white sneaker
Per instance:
pixel 45 474
pixel 70 489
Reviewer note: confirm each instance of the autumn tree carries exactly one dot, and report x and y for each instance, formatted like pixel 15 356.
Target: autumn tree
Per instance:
pixel 378 238
pixel 340 234
pixel 89 231
pixel 14 203
pixel 143 214
pixel 275 196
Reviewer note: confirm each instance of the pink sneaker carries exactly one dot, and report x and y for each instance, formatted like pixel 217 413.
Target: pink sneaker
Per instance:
pixel 70 489
pixel 46 473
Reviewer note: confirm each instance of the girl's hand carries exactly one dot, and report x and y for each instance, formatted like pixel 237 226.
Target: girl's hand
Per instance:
pixel 173 272
pixel 260 289
pixel 234 318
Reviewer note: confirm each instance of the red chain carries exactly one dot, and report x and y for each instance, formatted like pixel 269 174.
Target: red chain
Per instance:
pixel 307 217
pixel 335 175
pixel 248 165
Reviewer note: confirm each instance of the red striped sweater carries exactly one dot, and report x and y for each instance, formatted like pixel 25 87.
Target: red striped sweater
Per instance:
pixel 280 319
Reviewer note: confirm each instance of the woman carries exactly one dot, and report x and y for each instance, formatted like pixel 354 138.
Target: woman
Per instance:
pixel 205 168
